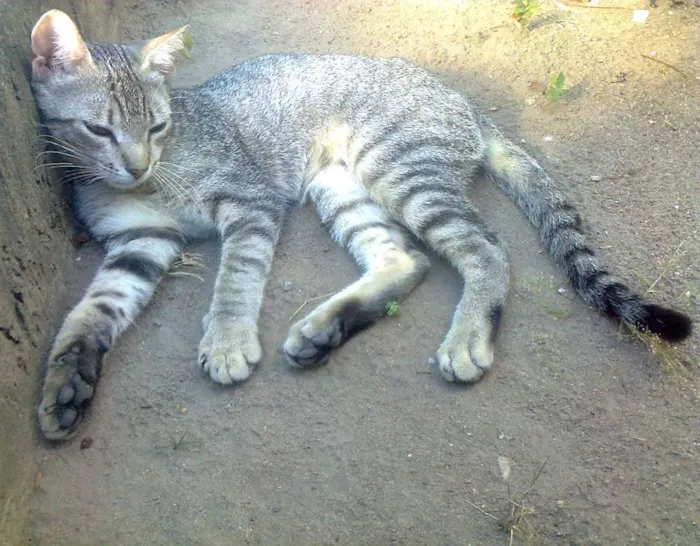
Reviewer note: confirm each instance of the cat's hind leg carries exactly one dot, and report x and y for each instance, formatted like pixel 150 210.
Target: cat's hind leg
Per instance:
pixel 437 211
pixel 381 247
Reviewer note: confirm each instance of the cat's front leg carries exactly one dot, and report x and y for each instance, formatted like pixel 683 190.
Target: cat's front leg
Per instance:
pixel 230 348
pixel 135 262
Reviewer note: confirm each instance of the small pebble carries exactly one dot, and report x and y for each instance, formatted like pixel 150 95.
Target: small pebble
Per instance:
pixel 595 178
pixel 86 443
pixel 561 290
pixel 432 361
pixel 157 323
pixel 287 286
pixel 640 15
pixel 493 109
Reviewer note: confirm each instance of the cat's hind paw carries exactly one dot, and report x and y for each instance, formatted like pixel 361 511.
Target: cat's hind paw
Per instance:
pixel 311 341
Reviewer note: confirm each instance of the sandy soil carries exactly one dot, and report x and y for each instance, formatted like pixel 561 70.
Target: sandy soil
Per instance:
pixel 376 448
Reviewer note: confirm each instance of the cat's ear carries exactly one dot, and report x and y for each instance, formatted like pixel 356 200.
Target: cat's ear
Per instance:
pixel 160 55
pixel 57 46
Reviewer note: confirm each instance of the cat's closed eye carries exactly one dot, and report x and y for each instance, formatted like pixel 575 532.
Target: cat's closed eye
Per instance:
pixel 99 130
pixel 157 129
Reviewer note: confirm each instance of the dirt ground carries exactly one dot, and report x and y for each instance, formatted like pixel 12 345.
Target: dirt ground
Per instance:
pixel 375 448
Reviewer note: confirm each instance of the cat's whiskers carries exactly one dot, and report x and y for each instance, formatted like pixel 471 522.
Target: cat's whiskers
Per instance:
pixel 182 192
pixel 183 183
pixel 177 166
pixel 54 165
pixel 57 153
pixel 169 188
pixel 77 176
pixel 55 141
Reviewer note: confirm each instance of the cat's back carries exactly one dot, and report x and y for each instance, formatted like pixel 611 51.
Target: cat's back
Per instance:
pixel 314 88
pixel 307 76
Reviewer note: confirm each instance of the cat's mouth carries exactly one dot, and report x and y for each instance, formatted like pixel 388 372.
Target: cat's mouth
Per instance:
pixel 130 180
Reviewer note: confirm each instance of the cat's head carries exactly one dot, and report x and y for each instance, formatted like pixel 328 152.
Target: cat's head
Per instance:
pixel 107 107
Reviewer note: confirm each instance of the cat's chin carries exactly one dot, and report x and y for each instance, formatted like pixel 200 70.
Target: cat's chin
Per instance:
pixel 130 184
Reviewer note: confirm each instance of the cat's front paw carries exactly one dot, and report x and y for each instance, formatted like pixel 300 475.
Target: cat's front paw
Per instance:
pixel 70 384
pixel 229 350
pixel 465 358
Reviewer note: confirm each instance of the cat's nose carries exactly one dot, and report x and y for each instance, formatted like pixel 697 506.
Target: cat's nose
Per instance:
pixel 136 173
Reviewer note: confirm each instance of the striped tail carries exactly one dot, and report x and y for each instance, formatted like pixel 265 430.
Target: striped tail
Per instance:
pixel 559 226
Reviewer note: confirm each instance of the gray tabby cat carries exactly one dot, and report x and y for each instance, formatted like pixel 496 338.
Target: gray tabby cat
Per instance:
pixel 382 148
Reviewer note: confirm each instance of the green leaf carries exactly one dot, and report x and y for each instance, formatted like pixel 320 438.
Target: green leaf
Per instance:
pixel 560 80
pixel 556 313
pixel 557 87
pixel 392 308
pixel 188 42
pixel 524 10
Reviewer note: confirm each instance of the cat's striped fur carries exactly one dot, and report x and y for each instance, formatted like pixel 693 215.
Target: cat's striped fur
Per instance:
pixel 382 148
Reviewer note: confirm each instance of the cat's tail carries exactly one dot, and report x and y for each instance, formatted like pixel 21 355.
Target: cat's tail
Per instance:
pixel 559 226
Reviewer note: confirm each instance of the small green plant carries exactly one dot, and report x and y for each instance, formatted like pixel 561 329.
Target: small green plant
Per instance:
pixel 524 10
pixel 392 308
pixel 188 42
pixel 557 87
pixel 556 313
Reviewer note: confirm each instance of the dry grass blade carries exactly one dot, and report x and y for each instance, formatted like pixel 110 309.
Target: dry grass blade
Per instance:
pixel 518 522
pixel 561 4
pixel 671 360
pixel 188 260
pixel 470 503
pixel 177 443
pixel 668 265
pixel 309 301
pixel 186 274
pixel 666 353
pixel 684 74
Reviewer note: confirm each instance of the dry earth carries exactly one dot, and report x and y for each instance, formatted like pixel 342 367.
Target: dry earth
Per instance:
pixel 376 448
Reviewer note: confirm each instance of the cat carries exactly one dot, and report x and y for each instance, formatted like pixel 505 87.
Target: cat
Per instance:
pixel 383 149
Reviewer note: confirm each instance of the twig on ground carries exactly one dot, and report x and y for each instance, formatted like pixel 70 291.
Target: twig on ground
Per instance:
pixel 534 480
pixel 685 74
pixel 176 443
pixel 668 265
pixel 482 510
pixel 567 5
pixel 185 274
pixel 309 301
